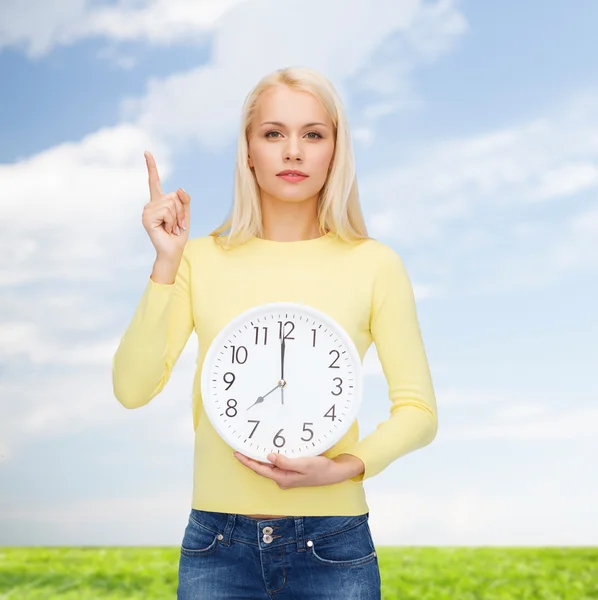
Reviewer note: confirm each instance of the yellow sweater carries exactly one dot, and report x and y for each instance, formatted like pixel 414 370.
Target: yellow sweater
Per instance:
pixel 362 285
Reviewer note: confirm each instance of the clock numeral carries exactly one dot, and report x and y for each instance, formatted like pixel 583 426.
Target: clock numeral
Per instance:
pixel 227 381
pixel 310 431
pixel 231 407
pixel 253 430
pixel 236 351
pixel 313 344
pixel 332 365
pixel 287 336
pixel 338 385
pixel 257 329
pixel 333 415
pixel 279 437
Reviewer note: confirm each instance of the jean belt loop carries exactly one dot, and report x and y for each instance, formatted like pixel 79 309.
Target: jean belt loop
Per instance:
pixel 228 529
pixel 300 534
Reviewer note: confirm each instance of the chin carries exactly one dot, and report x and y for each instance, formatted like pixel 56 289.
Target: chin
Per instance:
pixel 290 195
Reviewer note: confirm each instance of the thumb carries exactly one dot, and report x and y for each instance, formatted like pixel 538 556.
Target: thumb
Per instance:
pixel 284 462
pixel 185 199
pixel 277 459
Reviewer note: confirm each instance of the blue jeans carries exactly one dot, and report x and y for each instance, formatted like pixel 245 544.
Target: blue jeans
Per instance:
pixel 227 556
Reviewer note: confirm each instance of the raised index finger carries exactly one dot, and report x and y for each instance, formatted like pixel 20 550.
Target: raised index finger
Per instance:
pixel 154 179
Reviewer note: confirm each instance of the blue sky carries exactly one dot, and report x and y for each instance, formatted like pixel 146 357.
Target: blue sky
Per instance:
pixel 476 139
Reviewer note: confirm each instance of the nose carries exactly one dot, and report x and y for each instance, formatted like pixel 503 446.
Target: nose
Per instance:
pixel 293 151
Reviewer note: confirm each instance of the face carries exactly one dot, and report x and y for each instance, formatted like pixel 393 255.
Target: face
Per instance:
pixel 302 139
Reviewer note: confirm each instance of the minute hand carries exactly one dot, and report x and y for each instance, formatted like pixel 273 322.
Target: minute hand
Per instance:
pixel 282 349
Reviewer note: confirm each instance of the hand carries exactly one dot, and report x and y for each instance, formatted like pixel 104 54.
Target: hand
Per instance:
pixel 261 398
pixel 302 472
pixel 163 214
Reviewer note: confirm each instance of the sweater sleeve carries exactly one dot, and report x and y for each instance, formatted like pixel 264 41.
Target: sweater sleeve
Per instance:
pixel 153 340
pixel 395 330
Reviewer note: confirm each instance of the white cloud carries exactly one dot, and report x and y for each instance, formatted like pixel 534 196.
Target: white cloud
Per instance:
pixel 577 246
pixel 78 206
pixel 80 198
pixel 371 363
pixel 39 27
pixel 66 401
pixel 448 181
pixel 104 510
pixel 474 208
pixel 204 104
pixel 521 412
pixel 363 135
pixel 463 513
pixel 504 168
pixel 566 180
pixel 455 398
pixel 157 21
pixel 158 518
pixel 414 518
pixel 527 423
pixel 436 28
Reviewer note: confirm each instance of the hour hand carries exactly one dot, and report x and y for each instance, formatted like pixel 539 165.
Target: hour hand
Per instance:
pixel 261 398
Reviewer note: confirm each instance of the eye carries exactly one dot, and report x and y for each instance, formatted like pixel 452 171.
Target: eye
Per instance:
pixel 318 136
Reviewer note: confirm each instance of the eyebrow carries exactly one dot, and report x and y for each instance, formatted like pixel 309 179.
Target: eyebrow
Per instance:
pixel 279 124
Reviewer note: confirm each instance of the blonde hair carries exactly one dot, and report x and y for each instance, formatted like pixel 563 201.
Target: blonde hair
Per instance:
pixel 339 210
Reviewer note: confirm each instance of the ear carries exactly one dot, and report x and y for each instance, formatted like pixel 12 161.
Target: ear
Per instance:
pixel 249 162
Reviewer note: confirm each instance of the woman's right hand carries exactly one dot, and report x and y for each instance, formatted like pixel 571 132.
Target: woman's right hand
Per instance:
pixel 164 215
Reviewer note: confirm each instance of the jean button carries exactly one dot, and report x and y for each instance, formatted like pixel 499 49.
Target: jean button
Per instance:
pixel 267 538
pixel 268 530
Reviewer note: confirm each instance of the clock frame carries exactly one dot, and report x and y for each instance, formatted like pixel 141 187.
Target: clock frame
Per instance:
pixel 256 410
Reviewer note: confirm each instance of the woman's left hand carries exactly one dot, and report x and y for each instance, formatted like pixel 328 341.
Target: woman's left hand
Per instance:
pixel 308 471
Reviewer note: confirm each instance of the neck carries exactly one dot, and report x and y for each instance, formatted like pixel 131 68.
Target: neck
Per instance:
pixel 281 234
pixel 289 221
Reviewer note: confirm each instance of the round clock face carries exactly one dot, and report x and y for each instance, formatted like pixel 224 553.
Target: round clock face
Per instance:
pixel 282 377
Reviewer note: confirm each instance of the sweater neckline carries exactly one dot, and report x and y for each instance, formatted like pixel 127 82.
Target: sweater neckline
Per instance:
pixel 297 244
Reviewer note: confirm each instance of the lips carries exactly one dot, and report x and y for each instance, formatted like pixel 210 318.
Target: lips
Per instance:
pixel 293 178
pixel 292 172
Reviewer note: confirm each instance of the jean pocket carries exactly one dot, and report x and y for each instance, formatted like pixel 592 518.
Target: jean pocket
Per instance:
pixel 347 548
pixel 198 540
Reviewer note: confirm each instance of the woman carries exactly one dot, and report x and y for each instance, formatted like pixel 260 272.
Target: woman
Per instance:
pixel 296 528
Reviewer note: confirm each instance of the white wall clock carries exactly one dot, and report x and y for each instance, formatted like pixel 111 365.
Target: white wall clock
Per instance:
pixel 282 377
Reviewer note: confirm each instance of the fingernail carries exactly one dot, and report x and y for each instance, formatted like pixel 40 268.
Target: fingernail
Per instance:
pixel 183 224
pixel 178 231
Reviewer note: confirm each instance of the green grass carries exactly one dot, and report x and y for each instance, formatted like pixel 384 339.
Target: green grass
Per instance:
pixel 409 573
